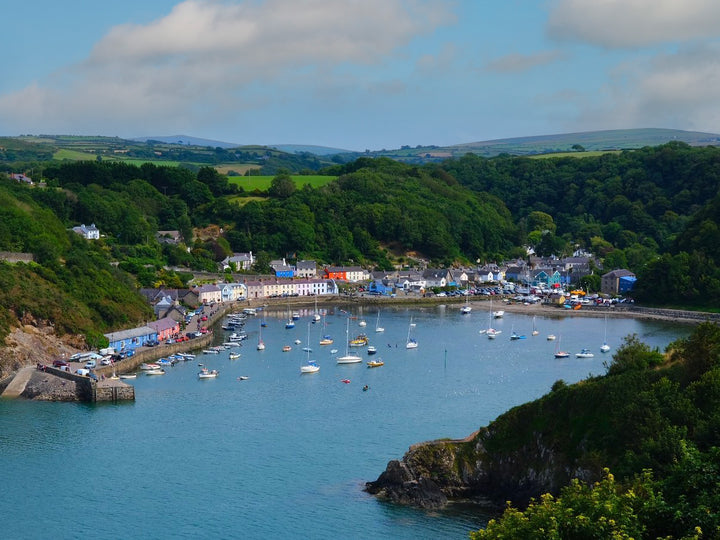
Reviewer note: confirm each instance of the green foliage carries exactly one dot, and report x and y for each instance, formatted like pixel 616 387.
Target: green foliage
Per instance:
pixel 634 355
pixel 602 510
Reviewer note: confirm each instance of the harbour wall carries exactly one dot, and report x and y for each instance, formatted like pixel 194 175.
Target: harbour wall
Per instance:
pixel 90 391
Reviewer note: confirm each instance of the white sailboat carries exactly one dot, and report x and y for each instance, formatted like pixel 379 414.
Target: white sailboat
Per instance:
pixel 310 366
pixel 535 331
pixel 378 328
pixel 316 316
pixel 605 347
pixel 348 358
pixel 558 352
pixel 411 342
pixel 467 308
pixel 261 344
pixel 490 332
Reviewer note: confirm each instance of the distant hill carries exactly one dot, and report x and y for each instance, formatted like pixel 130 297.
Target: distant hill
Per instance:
pixel 313 149
pixel 616 139
pixel 187 140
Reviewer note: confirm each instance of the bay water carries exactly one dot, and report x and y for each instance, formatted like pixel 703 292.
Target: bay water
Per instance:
pixel 285 455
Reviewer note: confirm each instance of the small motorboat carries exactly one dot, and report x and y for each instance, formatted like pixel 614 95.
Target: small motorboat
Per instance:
pixel 298 342
pixel 562 354
pixel 287 348
pixel 362 323
pixel 206 373
pixel 129 376
pixel 375 363
pixel 155 372
pixel 371 349
pixel 333 351
pixel 551 337
pixel 243 378
pixel 327 340
pixel 346 381
pixel 149 367
pixel 498 314
pixel 234 356
pixel 584 353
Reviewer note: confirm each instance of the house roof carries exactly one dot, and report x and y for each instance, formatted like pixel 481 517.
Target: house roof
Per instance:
pixel 131 333
pixel 163 324
pixel 619 273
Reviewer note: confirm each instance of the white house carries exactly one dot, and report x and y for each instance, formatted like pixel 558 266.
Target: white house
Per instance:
pixel 208 294
pixel 242 261
pixel 306 269
pixel 231 292
pixel 89 233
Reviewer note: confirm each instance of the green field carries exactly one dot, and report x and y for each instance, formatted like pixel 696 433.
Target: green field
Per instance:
pixel 262 183
pixel 592 153
pixel 74 155
pixel 242 201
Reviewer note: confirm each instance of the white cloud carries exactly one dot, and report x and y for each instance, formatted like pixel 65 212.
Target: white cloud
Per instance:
pixel 514 63
pixel 212 58
pixel 675 90
pixel 634 23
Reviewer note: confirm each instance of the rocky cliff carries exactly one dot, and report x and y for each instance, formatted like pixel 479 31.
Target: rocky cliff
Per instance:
pixel 507 460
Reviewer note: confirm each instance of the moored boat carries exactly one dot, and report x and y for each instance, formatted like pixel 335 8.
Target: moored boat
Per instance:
pixel 206 373
pixel 375 363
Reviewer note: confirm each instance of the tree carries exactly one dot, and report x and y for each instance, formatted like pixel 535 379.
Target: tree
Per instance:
pixel 282 186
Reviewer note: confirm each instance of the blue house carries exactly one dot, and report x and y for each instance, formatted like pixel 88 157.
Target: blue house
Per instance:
pixel 626 284
pixel 132 338
pixel 377 286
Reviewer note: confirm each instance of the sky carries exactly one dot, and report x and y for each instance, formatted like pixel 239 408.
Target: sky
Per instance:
pixel 358 74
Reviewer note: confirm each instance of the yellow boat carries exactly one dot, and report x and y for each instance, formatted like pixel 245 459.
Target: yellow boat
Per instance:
pixel 359 341
pixel 375 363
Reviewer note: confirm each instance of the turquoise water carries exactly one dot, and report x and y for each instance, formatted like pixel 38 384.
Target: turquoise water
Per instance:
pixel 283 454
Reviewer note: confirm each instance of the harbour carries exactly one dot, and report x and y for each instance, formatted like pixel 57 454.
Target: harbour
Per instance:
pixel 280 453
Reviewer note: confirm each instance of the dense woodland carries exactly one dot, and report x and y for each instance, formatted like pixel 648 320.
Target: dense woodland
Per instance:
pixel 654 211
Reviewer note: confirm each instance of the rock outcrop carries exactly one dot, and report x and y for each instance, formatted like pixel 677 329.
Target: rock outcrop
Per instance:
pixel 482 468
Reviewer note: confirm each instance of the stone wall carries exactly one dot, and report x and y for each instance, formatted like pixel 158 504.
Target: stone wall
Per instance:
pixel 85 385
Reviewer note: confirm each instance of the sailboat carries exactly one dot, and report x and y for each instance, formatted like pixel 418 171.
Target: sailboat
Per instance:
pixel 348 358
pixel 310 366
pixel 326 339
pixel 378 328
pixel 316 316
pixel 411 342
pixel 559 353
pixel 490 331
pixel 605 347
pixel 261 344
pixel 535 331
pixel 290 322
pixel 467 308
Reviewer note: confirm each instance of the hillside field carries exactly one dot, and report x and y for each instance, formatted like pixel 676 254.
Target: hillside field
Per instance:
pixel 262 183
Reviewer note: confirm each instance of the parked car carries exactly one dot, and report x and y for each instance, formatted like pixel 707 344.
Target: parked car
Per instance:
pixel 90 364
pixel 59 363
pixel 151 343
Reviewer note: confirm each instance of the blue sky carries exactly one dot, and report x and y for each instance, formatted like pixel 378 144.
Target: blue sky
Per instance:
pixel 358 74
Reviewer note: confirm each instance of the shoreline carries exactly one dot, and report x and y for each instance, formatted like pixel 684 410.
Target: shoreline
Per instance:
pixel 543 309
